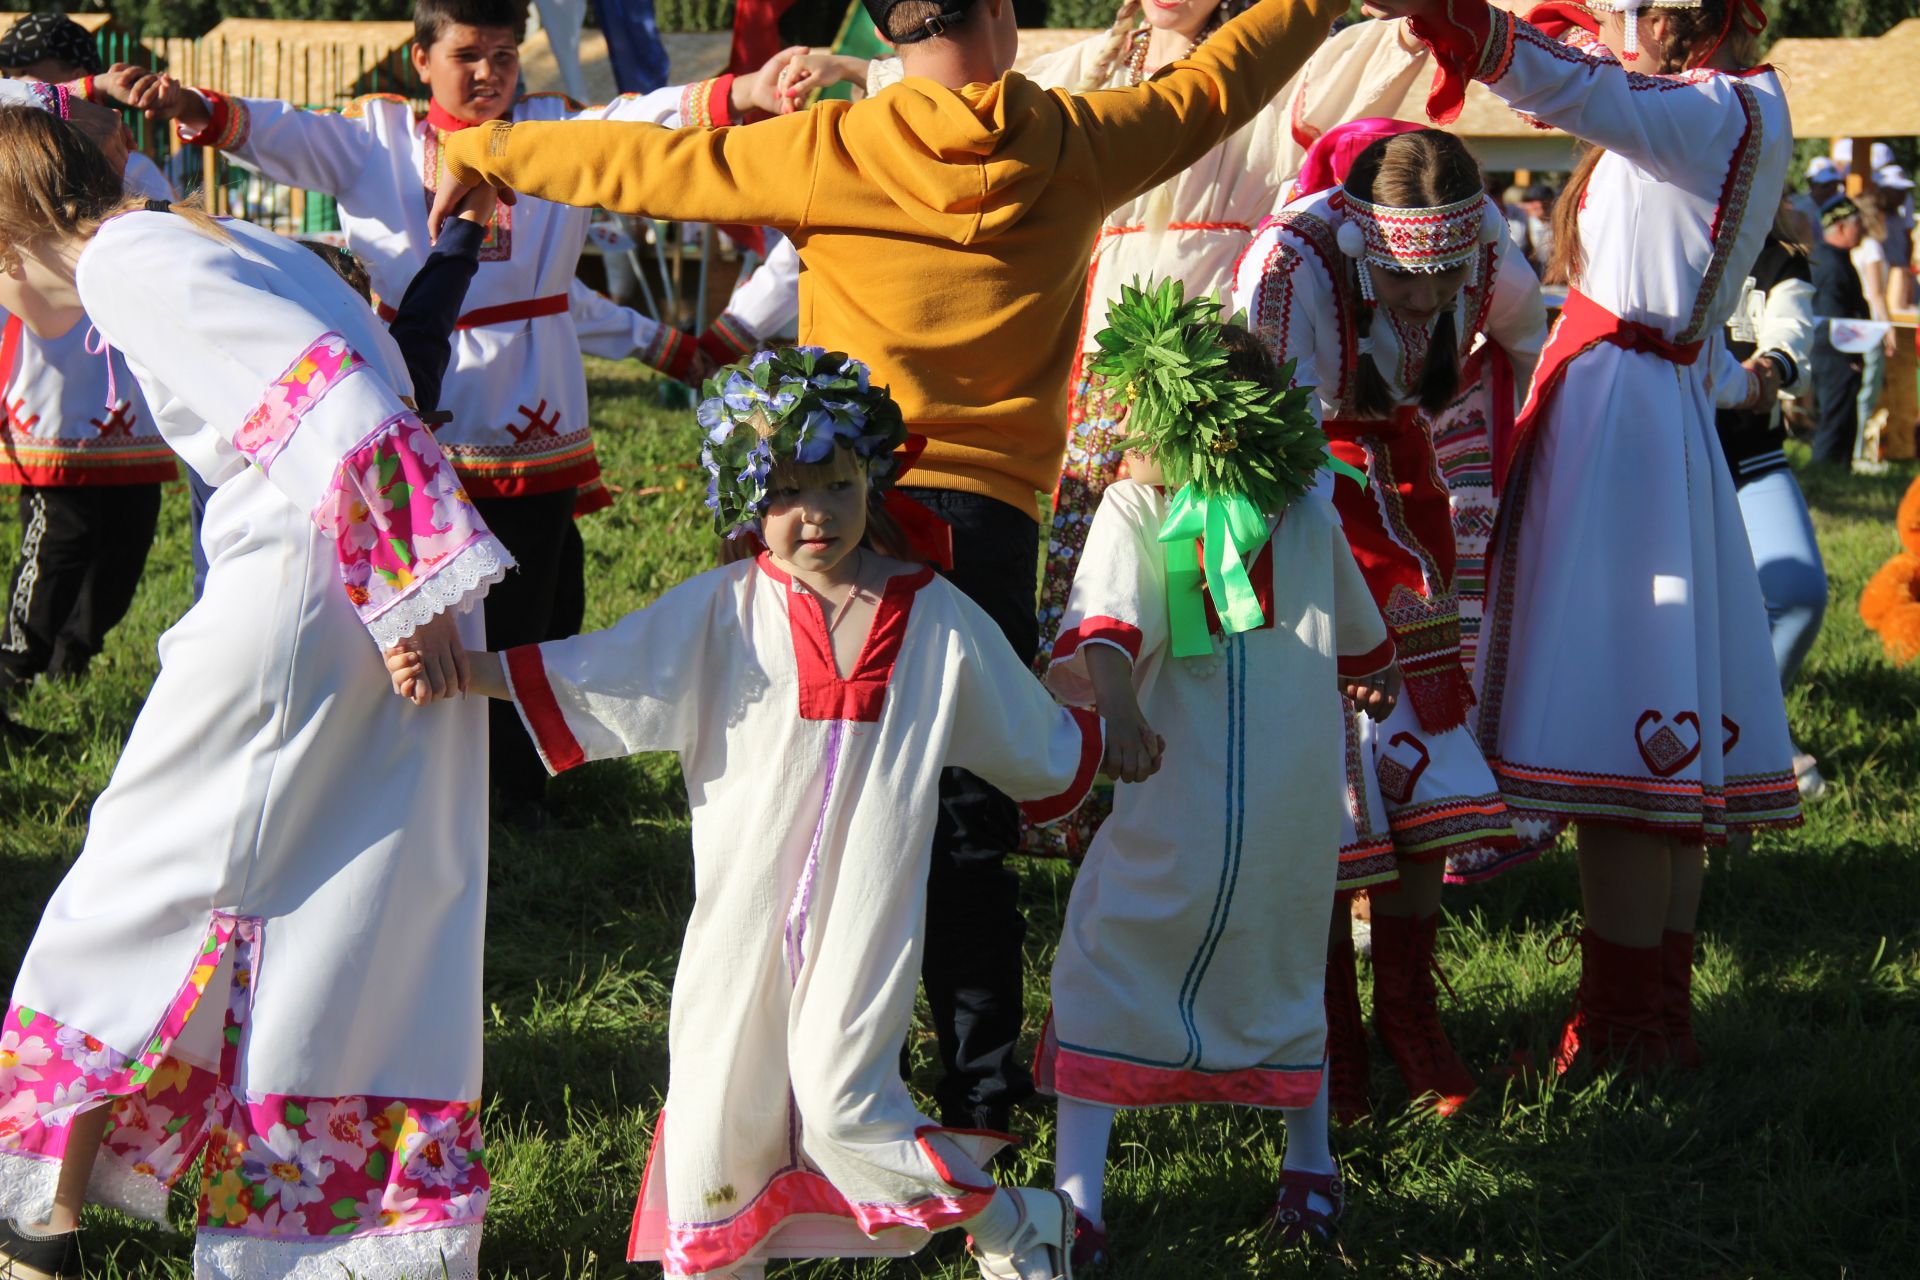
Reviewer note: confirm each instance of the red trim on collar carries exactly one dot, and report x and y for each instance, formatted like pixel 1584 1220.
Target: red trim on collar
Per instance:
pixel 446 122
pixel 527 682
pixel 824 693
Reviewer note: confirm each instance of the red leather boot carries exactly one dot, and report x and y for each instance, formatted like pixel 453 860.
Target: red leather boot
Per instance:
pixel 1619 1013
pixel 1346 1030
pixel 1676 990
pixel 1407 1017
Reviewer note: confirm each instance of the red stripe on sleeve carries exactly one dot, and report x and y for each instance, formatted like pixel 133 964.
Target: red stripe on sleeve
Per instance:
pixel 1093 741
pixel 527 681
pixel 1112 630
pixel 1365 664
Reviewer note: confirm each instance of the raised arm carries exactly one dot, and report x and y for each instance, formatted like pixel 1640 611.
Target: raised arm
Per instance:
pixel 760 175
pixel 613 332
pixel 1143 135
pixel 1678 128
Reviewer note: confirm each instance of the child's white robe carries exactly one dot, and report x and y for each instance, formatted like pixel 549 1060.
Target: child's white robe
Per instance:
pixel 788 1131
pixel 282 836
pixel 1194 953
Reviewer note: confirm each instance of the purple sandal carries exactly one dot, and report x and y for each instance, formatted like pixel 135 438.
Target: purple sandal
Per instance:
pixel 1089 1242
pixel 1293 1220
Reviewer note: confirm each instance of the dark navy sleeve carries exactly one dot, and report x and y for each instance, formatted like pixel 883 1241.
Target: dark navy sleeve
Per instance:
pixel 424 321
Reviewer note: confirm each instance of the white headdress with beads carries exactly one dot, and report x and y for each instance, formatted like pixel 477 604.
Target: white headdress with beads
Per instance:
pixel 1424 240
pixel 1632 8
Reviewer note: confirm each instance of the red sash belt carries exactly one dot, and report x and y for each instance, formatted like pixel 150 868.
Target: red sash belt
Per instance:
pixel 507 312
pixel 1584 324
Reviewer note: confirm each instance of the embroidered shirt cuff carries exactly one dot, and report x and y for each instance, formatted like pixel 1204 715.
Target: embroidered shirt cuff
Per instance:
pixel 228 123
pixel 708 104
pixel 539 710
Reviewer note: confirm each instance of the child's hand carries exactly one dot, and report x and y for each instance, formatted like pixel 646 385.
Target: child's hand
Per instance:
pixel 1375 694
pixel 477 205
pixel 1134 750
pixel 760 90
pixel 431 663
pixel 812 71
pixel 451 197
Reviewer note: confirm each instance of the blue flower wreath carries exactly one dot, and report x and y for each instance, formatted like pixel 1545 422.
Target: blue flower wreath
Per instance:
pixel 796 403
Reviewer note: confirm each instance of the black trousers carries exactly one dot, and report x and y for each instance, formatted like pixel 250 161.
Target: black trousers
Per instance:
pixel 547 592
pixel 1836 385
pixel 974 964
pixel 82 550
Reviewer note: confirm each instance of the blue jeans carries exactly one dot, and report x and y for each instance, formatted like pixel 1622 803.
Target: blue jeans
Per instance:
pixel 1792 577
pixel 1873 376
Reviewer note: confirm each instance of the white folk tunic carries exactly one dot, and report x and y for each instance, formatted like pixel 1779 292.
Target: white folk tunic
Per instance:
pixel 74 417
pixel 1300 295
pixel 515 386
pixel 1627 672
pixel 788 1131
pixel 283 836
pixel 1194 953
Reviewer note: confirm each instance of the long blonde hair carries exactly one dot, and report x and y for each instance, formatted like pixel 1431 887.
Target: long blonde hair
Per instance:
pixel 54 182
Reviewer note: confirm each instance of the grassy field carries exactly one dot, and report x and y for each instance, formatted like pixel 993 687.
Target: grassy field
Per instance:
pixel 1792 1155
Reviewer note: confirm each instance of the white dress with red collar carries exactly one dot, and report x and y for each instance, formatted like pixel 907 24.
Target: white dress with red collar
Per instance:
pixel 1195 948
pixel 515 386
pixel 1626 672
pixel 787 1130
pixel 1301 297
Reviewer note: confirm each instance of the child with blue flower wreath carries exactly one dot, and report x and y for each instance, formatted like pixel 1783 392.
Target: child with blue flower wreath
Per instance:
pixel 1223 610
pixel 813 693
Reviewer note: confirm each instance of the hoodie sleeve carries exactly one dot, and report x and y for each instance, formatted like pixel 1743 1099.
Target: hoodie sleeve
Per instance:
pixel 1144 135
pixel 760 176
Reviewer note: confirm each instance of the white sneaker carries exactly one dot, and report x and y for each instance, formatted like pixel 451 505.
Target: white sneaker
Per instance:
pixel 1043 1244
pixel 1806 774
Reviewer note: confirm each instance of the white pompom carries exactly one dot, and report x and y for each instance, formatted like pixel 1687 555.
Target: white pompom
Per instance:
pixel 1492 224
pixel 1352 240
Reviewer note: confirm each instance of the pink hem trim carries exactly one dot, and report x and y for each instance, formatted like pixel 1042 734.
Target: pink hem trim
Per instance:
pixel 1072 1073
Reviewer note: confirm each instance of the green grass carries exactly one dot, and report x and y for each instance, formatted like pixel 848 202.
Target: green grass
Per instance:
pixel 1792 1155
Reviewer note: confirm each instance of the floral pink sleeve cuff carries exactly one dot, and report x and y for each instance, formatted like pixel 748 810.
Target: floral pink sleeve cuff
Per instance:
pixel 411 544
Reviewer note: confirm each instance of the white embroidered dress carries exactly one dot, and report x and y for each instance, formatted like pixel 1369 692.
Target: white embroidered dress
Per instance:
pixel 1627 673
pixel 787 1130
pixel 1195 948
pixel 514 386
pixel 270 946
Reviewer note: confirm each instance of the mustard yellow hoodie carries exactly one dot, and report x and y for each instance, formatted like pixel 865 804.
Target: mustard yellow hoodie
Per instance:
pixel 944 235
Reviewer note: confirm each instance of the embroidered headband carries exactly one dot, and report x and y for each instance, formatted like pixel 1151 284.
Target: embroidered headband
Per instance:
pixel 1748 13
pixel 796 404
pixel 1423 240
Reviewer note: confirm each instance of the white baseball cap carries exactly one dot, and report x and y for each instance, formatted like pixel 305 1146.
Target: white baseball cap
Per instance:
pixel 1893 178
pixel 1822 169
pixel 1881 155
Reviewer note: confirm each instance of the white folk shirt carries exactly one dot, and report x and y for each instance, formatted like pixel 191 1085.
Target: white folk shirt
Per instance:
pixel 515 387
pixel 788 1131
pixel 287 852
pixel 74 417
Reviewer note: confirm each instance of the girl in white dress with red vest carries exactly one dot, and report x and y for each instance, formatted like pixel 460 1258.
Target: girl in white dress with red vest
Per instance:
pixel 1628 681
pixel 1378 290
pixel 269 948
pixel 813 693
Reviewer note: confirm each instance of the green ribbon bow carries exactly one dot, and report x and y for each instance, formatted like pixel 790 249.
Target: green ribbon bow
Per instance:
pixel 1233 530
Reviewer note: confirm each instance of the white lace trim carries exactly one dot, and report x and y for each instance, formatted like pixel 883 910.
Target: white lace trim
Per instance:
pixel 26 1187
pixel 459 584
pixel 442 1253
pixel 114 1183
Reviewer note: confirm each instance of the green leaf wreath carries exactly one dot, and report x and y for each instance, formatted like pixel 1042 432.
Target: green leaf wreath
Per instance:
pixel 1161 356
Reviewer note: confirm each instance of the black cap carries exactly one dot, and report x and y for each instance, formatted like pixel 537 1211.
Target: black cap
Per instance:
pixel 951 12
pixel 1838 210
pixel 1541 191
pixel 40 36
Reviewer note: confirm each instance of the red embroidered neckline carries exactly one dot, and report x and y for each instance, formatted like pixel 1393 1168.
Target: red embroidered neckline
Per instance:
pixel 446 122
pixel 824 693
